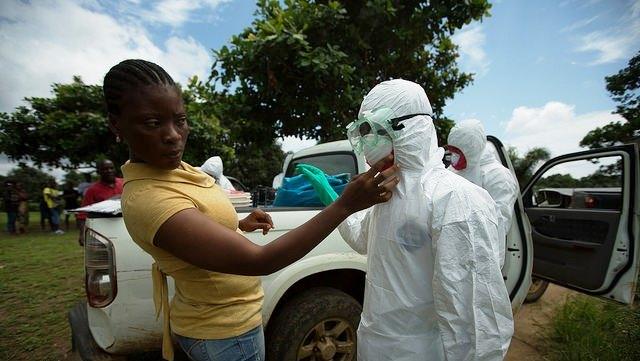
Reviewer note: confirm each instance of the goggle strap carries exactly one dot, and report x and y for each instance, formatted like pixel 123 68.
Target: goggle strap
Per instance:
pixel 395 122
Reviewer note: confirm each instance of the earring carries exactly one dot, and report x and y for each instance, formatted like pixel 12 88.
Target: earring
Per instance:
pixel 117 138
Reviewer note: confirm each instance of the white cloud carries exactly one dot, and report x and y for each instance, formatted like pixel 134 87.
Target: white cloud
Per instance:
pixel 7 165
pixel 173 13
pixel 609 47
pixel 471 40
pixel 618 42
pixel 50 41
pixel 178 12
pixel 580 24
pixel 554 126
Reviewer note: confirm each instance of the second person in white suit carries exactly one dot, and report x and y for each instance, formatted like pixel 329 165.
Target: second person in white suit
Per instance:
pixel 475 161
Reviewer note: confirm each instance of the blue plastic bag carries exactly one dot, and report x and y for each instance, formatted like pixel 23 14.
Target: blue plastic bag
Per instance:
pixel 297 191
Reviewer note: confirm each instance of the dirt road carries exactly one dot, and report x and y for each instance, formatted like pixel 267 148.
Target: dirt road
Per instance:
pixel 528 344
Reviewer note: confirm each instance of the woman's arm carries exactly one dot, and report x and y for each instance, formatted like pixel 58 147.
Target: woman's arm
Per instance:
pixel 195 238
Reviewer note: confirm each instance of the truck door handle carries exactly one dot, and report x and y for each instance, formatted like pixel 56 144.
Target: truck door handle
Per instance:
pixel 549 218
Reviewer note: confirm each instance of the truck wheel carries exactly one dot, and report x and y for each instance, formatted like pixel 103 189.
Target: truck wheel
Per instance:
pixel 83 347
pixel 537 289
pixel 318 324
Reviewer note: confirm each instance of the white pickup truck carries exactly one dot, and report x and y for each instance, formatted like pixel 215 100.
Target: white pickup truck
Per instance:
pixel 311 308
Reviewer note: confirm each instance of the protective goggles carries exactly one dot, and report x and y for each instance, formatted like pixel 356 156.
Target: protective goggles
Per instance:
pixel 373 127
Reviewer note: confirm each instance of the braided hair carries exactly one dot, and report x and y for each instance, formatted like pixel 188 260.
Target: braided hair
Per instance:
pixel 131 74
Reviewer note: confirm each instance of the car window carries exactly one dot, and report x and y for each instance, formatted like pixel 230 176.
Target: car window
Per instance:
pixel 332 163
pixel 581 184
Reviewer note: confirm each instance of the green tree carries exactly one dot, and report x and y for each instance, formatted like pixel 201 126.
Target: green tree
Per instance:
pixel 303 67
pixel 247 153
pixel 624 88
pixel 73 177
pixel 597 179
pixel 558 181
pixel 70 129
pixel 32 179
pixel 602 179
pixel 525 166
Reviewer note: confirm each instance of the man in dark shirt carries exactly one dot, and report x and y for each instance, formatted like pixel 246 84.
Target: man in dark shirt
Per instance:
pixel 70 196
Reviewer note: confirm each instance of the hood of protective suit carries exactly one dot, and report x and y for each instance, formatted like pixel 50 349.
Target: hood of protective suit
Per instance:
pixel 489 155
pixel 415 146
pixel 213 167
pixel 470 138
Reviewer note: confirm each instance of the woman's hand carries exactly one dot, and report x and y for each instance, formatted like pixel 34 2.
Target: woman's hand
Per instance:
pixel 258 219
pixel 370 188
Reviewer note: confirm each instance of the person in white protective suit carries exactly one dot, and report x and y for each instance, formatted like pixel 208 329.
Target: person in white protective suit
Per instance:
pixel 472 159
pixel 433 288
pixel 213 167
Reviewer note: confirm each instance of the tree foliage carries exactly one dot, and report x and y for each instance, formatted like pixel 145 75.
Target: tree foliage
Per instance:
pixel 598 179
pixel 70 129
pixel 73 177
pixel 65 130
pixel 624 88
pixel 33 180
pixel 248 153
pixel 525 166
pixel 303 67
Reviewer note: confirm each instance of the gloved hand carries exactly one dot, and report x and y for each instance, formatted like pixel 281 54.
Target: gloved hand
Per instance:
pixel 319 182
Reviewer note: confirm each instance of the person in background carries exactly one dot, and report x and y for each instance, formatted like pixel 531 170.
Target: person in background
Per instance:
pixel 83 186
pixel 10 198
pixel 45 216
pixel 23 208
pixel 213 167
pixel 106 187
pixel 70 196
pixel 53 199
pixel 473 159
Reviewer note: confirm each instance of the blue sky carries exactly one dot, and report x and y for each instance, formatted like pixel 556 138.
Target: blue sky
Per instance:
pixel 542 51
pixel 540 65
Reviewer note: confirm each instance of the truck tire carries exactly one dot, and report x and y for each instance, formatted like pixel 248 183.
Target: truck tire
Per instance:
pixel 83 347
pixel 536 290
pixel 318 324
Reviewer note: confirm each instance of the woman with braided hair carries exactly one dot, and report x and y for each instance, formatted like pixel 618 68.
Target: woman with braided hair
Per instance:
pixel 186 223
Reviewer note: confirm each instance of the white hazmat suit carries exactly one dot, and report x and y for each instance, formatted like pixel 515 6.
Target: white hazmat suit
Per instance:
pixel 213 167
pixel 484 170
pixel 433 288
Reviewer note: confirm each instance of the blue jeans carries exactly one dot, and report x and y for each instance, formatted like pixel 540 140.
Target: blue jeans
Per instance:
pixel 246 347
pixel 55 218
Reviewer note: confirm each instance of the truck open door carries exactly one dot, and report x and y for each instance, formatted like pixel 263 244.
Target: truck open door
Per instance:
pixel 588 242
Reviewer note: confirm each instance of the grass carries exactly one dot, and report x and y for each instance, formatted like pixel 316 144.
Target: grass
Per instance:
pixel 41 278
pixel 589 329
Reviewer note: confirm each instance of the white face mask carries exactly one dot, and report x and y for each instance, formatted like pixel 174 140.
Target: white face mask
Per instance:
pixel 376 153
